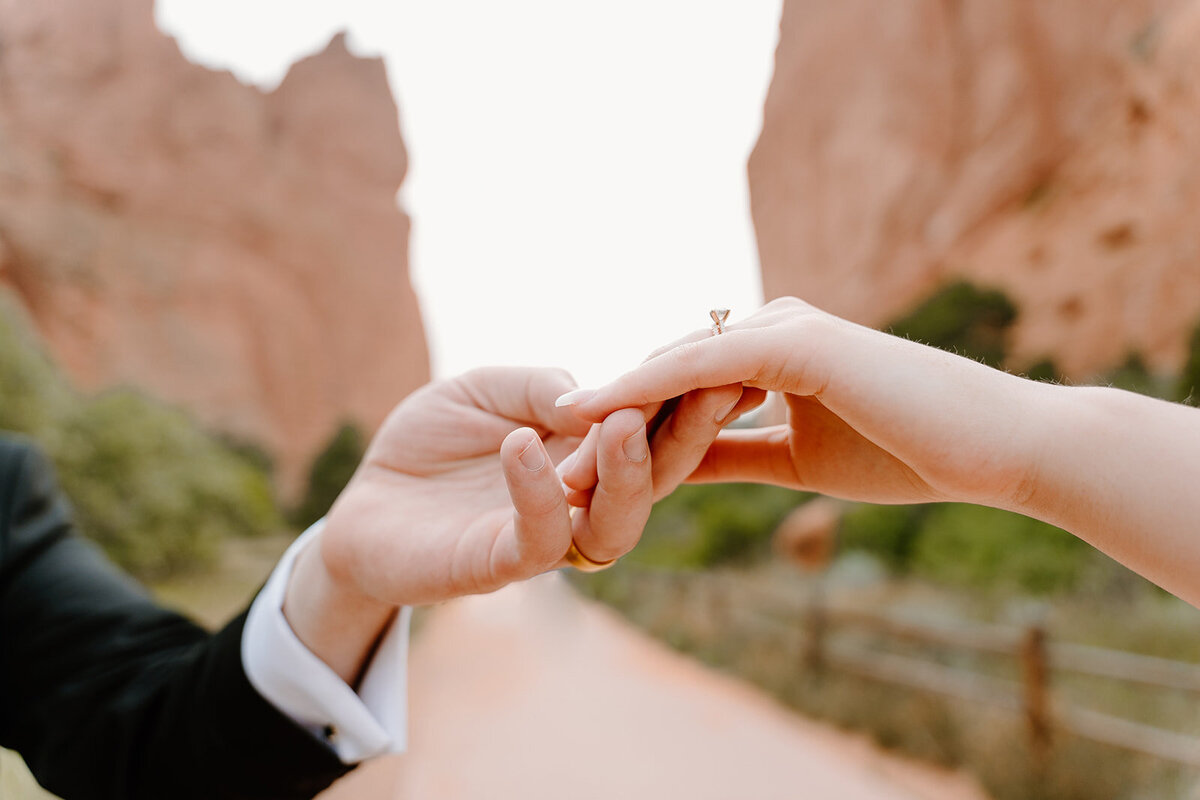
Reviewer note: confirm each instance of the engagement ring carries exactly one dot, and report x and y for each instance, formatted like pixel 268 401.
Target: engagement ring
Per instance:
pixel 719 315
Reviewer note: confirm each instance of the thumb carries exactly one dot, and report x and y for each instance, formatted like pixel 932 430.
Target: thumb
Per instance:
pixel 540 530
pixel 756 455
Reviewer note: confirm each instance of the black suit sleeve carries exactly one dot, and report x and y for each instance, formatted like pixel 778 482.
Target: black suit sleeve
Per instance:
pixel 107 695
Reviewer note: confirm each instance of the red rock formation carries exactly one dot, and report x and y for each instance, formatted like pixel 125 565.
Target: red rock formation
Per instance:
pixel 1050 149
pixel 236 252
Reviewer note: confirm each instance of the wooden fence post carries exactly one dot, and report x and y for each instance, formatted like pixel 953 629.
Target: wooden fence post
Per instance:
pixel 718 603
pixel 816 624
pixel 1035 675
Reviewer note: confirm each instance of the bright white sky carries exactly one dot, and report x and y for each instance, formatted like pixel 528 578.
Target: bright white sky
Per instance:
pixel 577 170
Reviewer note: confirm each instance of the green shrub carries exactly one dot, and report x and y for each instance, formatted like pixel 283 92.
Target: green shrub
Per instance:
pixel 1134 376
pixel 146 482
pixel 1188 387
pixel 1045 370
pixel 889 533
pixel 963 319
pixel 252 453
pixel 33 396
pixel 331 470
pixel 155 491
pixel 975 547
pixel 702 526
pixel 985 548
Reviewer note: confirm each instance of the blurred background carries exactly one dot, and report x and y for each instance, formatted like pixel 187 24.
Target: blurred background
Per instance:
pixel 234 234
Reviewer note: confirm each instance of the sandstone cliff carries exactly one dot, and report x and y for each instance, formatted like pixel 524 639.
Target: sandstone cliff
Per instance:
pixel 236 252
pixel 1049 149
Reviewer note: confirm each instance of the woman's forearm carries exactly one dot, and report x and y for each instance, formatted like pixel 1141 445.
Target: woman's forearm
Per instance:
pixel 1121 471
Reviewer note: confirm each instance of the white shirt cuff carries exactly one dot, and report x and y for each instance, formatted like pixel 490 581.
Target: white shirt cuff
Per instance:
pixel 357 726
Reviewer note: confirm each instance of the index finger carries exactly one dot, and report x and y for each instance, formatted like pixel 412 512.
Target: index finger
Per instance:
pixel 736 356
pixel 523 394
pixel 614 520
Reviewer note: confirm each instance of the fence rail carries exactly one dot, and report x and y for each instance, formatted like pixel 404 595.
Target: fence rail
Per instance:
pixel 1133 668
pixel 1029 648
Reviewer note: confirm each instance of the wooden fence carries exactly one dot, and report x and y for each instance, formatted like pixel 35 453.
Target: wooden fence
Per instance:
pixel 1037 656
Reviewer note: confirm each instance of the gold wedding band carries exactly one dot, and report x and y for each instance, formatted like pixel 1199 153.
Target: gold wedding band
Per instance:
pixel 584 564
pixel 581 562
pixel 719 317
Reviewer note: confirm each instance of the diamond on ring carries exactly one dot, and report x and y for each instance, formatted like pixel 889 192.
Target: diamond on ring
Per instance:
pixel 719 316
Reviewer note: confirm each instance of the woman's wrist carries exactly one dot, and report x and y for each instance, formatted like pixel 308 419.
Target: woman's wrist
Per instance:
pixel 1056 423
pixel 1018 433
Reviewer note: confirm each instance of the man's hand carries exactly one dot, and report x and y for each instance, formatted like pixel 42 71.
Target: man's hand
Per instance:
pixel 458 495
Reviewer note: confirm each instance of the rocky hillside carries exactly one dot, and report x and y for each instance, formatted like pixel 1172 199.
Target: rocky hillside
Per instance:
pixel 240 253
pixel 1049 149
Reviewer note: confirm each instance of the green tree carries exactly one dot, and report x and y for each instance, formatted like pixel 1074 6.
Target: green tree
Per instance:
pixel 986 548
pixel 33 395
pixel 1134 375
pixel 1187 390
pixel 331 470
pixel 1045 370
pixel 714 524
pixel 155 490
pixel 889 533
pixel 961 318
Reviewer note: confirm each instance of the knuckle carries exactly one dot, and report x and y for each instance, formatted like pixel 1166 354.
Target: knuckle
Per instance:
pixel 620 477
pixel 656 352
pixel 541 505
pixel 556 379
pixel 722 395
pixel 609 537
pixel 678 431
pixel 688 356
pixel 623 482
pixel 478 374
pixel 784 303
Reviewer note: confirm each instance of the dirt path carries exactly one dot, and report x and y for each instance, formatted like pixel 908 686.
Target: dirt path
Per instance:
pixel 533 693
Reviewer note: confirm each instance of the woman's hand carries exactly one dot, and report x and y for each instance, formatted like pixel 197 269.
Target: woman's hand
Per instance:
pixel 870 416
pixel 880 419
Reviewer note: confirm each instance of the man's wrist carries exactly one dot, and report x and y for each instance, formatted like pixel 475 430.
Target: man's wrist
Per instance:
pixel 338 623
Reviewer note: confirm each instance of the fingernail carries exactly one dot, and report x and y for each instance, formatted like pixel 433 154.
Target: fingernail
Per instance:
pixel 533 457
pixel 635 447
pixel 724 411
pixel 565 465
pixel 573 397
